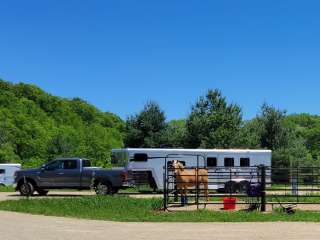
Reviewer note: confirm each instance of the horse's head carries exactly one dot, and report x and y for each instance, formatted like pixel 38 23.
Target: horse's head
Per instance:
pixel 177 165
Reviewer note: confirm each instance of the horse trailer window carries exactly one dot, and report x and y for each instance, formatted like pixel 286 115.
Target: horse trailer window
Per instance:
pixel 229 162
pixel 211 162
pixel 140 157
pixel 2 171
pixel 244 162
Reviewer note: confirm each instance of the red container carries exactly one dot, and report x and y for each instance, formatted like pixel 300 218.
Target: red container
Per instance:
pixel 229 203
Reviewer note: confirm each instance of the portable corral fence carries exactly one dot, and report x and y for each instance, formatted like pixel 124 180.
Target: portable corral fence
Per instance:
pixel 253 187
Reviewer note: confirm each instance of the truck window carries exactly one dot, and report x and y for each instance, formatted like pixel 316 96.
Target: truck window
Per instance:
pixel 244 162
pixel 2 171
pixel 229 162
pixel 86 163
pixel 211 161
pixel 69 164
pixel 53 166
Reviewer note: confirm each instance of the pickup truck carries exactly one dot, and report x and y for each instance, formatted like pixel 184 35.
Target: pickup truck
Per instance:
pixel 72 173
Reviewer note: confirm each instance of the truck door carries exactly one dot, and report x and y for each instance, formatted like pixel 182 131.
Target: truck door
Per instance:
pixel 47 176
pixel 69 174
pixel 61 173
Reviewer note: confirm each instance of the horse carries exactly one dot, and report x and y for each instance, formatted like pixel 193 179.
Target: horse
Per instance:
pixel 186 178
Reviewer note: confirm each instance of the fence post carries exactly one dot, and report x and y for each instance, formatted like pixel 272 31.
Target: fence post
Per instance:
pixel 165 186
pixel 263 188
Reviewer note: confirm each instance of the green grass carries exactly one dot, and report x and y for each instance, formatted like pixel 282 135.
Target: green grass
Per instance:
pixel 140 210
pixel 7 189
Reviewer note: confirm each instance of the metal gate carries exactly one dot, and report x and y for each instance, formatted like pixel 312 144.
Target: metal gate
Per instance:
pixel 253 187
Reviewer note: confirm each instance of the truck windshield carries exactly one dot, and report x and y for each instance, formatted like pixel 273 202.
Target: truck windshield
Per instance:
pixel 119 159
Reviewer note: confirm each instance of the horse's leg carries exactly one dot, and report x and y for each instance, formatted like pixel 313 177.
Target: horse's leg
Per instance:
pixel 185 196
pixel 180 190
pixel 206 186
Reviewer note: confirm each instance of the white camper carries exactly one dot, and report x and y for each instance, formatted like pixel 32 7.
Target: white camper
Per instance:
pixel 146 165
pixel 7 171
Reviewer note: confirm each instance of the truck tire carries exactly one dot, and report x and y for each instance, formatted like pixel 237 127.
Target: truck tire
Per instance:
pixel 104 189
pixel 42 192
pixel 26 189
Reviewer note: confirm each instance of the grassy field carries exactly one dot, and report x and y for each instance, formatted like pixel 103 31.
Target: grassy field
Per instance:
pixel 139 210
pixel 6 189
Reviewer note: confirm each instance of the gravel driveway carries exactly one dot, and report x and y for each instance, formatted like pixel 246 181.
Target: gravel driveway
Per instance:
pixel 17 226
pixel 14 226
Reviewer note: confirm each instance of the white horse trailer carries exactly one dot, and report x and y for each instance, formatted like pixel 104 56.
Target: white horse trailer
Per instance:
pixel 7 171
pixel 146 165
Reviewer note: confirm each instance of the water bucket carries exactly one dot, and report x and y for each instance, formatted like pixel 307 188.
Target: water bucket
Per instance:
pixel 229 203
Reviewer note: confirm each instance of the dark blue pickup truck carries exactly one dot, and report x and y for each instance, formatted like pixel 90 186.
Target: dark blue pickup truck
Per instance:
pixel 72 173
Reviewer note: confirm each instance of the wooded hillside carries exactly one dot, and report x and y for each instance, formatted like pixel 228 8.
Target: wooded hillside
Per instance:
pixel 36 127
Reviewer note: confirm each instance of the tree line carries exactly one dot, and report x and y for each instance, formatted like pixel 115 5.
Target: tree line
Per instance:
pixel 36 127
pixel 215 123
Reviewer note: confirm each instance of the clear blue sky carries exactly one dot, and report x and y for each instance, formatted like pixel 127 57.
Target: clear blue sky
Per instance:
pixel 119 54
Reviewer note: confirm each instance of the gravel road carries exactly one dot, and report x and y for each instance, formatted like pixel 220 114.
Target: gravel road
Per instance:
pixel 17 226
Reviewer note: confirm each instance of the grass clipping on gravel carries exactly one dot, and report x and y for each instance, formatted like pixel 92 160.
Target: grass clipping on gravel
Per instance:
pixel 139 210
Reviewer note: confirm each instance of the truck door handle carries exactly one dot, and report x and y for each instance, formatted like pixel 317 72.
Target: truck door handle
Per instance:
pixel 60 173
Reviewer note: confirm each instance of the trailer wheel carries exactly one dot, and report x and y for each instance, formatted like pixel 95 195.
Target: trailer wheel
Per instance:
pixel 26 189
pixel 244 186
pixel 104 189
pixel 230 187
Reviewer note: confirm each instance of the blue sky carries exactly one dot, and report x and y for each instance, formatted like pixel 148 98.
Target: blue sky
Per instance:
pixel 119 54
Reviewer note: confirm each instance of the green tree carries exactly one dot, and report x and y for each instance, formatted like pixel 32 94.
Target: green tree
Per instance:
pixel 213 123
pixel 175 133
pixel 145 129
pixel 250 135
pixel 274 132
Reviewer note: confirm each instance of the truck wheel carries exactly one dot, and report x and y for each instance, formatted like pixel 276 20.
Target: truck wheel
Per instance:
pixel 42 192
pixel 103 189
pixel 26 189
